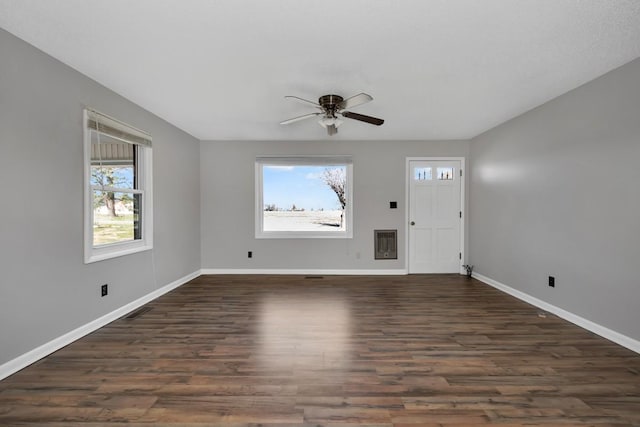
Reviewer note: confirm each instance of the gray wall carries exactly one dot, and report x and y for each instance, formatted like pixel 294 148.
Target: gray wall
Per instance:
pixel 45 289
pixel 555 192
pixel 227 182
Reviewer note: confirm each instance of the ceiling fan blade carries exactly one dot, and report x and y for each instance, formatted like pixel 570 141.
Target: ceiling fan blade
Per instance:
pixel 332 130
pixel 306 101
pixel 363 118
pixel 295 119
pixel 354 101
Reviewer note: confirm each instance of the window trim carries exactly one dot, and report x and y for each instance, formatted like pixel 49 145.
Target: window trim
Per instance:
pixel 262 161
pixel 145 187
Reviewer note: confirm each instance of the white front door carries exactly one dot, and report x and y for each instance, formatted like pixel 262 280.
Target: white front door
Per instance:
pixel 434 216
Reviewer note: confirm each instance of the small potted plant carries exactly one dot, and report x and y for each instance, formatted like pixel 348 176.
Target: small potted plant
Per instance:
pixel 469 269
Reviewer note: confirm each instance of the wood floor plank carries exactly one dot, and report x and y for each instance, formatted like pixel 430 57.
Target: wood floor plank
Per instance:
pixel 339 351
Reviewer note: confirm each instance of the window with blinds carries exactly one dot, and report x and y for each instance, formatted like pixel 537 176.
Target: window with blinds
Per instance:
pixel 118 206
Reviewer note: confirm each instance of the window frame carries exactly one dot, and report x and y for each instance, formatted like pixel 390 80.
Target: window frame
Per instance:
pixel 262 161
pixel 144 178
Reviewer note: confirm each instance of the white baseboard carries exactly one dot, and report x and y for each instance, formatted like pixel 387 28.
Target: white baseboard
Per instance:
pixel 611 335
pixel 38 353
pixel 327 272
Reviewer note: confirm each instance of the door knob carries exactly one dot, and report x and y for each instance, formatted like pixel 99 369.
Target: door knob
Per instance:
pixel 413 223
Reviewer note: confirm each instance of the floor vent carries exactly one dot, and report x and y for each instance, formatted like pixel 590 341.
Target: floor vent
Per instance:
pixel 314 277
pixel 139 312
pixel 386 244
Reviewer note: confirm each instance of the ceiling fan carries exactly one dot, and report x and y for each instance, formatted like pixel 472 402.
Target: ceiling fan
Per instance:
pixel 332 107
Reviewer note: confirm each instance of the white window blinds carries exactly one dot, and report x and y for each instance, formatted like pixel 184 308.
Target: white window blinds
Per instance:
pixel 116 129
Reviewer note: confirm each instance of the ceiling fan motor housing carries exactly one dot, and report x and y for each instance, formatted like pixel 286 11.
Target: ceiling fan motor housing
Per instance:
pixel 330 103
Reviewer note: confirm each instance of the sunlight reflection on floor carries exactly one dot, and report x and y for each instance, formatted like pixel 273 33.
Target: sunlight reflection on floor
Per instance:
pixel 304 331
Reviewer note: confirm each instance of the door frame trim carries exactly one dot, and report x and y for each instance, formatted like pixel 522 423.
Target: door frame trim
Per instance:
pixel 407 171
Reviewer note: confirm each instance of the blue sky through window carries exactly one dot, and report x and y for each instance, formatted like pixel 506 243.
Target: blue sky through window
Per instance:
pixel 303 186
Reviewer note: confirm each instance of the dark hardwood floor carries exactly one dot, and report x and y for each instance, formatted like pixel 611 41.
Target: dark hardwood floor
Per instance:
pixel 334 351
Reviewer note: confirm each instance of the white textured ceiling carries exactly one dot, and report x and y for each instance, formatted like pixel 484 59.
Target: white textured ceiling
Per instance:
pixel 437 69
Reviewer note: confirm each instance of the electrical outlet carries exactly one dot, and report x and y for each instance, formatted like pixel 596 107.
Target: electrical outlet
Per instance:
pixel 552 281
pixel 249 254
pixel 104 290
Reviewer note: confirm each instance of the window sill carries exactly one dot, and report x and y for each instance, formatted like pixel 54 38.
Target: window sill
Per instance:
pixel 304 235
pixel 114 251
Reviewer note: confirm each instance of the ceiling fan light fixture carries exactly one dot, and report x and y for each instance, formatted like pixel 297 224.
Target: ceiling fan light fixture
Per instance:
pixel 327 121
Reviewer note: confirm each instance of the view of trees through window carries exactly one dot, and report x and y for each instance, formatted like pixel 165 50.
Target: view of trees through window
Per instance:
pixel 115 201
pixel 304 198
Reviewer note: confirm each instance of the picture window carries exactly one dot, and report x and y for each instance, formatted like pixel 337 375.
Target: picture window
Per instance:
pixel 304 197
